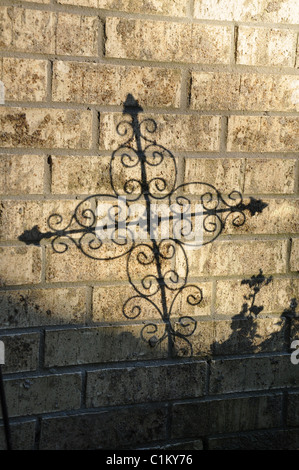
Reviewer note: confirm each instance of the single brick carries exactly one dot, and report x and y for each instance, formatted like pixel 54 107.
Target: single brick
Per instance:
pixel 16 216
pixel 82 82
pixel 270 176
pixel 31 83
pixel 43 394
pixel 225 174
pixel 282 11
pixel 21 352
pixel 237 258
pixel 26 30
pixel 273 297
pixel 250 335
pixel 279 217
pixel 20 265
pixel 83 175
pixel 22 435
pixel 45 128
pixel 21 174
pixel 113 429
pixel 76 35
pixel 176 132
pixel 294 260
pixel 265 46
pixel 100 345
pixel 36 307
pixel 226 415
pixel 134 384
pixel 112 303
pixel 165 41
pixel 243 375
pixel 159 7
pixel 193 339
pixel 263 134
pixel 244 91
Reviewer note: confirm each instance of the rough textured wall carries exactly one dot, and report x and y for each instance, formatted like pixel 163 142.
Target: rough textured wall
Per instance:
pixel 220 79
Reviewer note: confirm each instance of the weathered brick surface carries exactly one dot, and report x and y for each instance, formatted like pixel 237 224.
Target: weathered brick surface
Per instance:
pixel 45 128
pixel 280 12
pixel 263 134
pixel 274 298
pixel 176 132
pixel 32 79
pixel 120 428
pixel 244 91
pixel 99 345
pixel 235 375
pixel 97 354
pixel 135 385
pixel 266 47
pixel 238 258
pixel 21 352
pixel 229 415
pixel 31 308
pixel 34 395
pixel 20 265
pixel 164 41
pixel 82 82
pixel 21 174
pixel 77 35
pixel 27 30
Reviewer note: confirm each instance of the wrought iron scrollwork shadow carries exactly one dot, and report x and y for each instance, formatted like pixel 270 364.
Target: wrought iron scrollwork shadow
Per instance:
pixel 137 175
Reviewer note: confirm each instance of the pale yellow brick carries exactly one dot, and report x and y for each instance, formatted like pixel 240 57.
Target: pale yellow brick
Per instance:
pixel 294 259
pixel 35 307
pixel 237 258
pixel 273 297
pixel 270 176
pixel 160 7
pixel 176 132
pixel 281 11
pixel 18 216
pixel 281 216
pixel 27 30
pixel 82 82
pixel 244 91
pixel 263 134
pixel 224 174
pixel 165 41
pixel 263 46
pixel 120 302
pixel 76 35
pixel 21 174
pixel 20 265
pixel 24 79
pixel 45 128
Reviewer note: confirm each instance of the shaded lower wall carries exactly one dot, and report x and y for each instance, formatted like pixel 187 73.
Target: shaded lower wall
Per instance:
pixel 92 387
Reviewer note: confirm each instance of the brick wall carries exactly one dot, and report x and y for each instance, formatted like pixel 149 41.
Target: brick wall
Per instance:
pixel 220 79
